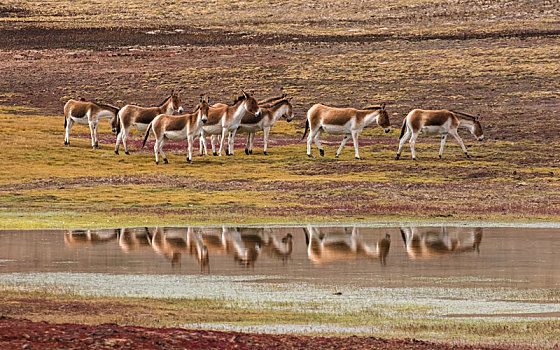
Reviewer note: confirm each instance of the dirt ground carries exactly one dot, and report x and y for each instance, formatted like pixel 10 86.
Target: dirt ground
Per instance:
pixel 25 334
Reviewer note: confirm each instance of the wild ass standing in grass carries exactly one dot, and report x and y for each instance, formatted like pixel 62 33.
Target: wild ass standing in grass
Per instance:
pixel 141 117
pixel 433 122
pixel 346 121
pixel 224 118
pixel 251 123
pixel 88 113
pixel 177 128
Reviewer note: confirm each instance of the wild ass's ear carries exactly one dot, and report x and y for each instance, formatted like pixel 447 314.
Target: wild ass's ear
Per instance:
pixel 201 98
pixel 290 99
pixel 245 94
pixel 208 99
pixel 383 105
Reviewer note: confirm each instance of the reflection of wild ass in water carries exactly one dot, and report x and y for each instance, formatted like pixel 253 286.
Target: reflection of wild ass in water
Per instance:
pixel 223 119
pixel 426 243
pixel 247 244
pixel 88 113
pixel 75 238
pixel 438 122
pixel 342 121
pixel 327 245
pixel 173 242
pixel 141 117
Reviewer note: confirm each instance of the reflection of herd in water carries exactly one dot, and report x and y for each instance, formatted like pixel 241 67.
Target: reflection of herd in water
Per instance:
pixel 246 245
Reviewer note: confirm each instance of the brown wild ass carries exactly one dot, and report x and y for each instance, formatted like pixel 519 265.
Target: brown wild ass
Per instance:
pixel 223 119
pixel 251 123
pixel 178 128
pixel 141 117
pixel 326 245
pixel 172 242
pixel 342 121
pixel 88 113
pixel 427 243
pixel 434 122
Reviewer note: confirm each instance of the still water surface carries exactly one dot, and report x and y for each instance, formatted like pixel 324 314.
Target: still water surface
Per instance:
pixel 361 256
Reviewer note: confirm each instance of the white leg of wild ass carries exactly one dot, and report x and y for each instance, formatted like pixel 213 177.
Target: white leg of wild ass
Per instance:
pixel 456 136
pixel 402 142
pixel 190 145
pixel 318 143
pixel 252 142
pixel 156 151
pixel 91 131
pixel 213 144
pixel 231 142
pixel 344 140
pixel 69 124
pixel 248 144
pixel 443 138
pixel 412 143
pixel 119 138
pixel 95 124
pixel 124 139
pixel 224 133
pixel 309 140
pixel 265 140
pixel 355 140
pixel 161 144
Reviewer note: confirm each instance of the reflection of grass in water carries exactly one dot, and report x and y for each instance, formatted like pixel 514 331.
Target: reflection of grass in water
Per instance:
pixel 463 279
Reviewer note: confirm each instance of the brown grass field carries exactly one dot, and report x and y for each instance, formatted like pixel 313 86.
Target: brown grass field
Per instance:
pixel 499 59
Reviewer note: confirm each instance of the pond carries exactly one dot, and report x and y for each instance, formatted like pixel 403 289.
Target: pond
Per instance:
pixel 353 255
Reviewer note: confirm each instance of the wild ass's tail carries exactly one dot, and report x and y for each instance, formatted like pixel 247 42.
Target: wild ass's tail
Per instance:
pixel 119 122
pixel 306 128
pixel 147 134
pixel 403 128
pixel 65 122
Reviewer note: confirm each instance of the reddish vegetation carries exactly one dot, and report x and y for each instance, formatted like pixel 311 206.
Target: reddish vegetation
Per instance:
pixel 25 334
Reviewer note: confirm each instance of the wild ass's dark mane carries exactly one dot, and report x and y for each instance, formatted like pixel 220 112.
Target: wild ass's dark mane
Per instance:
pixel 279 102
pixel 238 99
pixel 166 99
pixel 104 105
pixel 464 114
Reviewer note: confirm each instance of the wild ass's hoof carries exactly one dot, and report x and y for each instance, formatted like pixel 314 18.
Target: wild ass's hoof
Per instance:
pixel 336 155
pixel 440 156
pixel 189 161
pixel 66 143
pixel 251 151
pixel 398 157
pixel 165 161
pixel 309 155
pixel 414 158
pixel 358 158
pixel 227 152
pixel 246 151
pixel 157 163
pixel 468 156
pixel 127 153
pixel 265 153
pixel 117 152
pixel 215 154
pixel 322 152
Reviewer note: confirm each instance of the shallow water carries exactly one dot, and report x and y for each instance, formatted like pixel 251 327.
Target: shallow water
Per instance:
pixel 353 256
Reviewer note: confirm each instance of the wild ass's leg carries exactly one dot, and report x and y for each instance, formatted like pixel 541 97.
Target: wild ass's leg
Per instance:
pixel 443 138
pixel 456 136
pixel 124 139
pixel 201 144
pixel 309 140
pixel 213 144
pixel 344 140
pixel 69 124
pixel 156 150
pixel 231 142
pixel 265 140
pixel 119 138
pixel 190 141
pixel 252 143
pixel 318 143
pixel 224 132
pixel 247 144
pixel 160 149
pixel 402 142
pixel 412 143
pixel 355 140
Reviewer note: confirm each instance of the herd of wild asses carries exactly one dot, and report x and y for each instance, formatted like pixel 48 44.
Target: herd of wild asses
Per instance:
pixel 168 121
pixel 323 244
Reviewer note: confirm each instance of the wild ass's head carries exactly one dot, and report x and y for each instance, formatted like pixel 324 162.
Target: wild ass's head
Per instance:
pixel 202 108
pixel 173 102
pixel 476 129
pixel 115 122
pixel 251 105
pixel 383 119
pixel 289 114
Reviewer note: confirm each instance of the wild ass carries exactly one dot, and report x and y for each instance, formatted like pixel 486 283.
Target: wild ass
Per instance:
pixel 223 119
pixel 433 122
pixel 141 117
pixel 328 245
pixel 251 123
pixel 345 121
pixel 88 113
pixel 177 128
